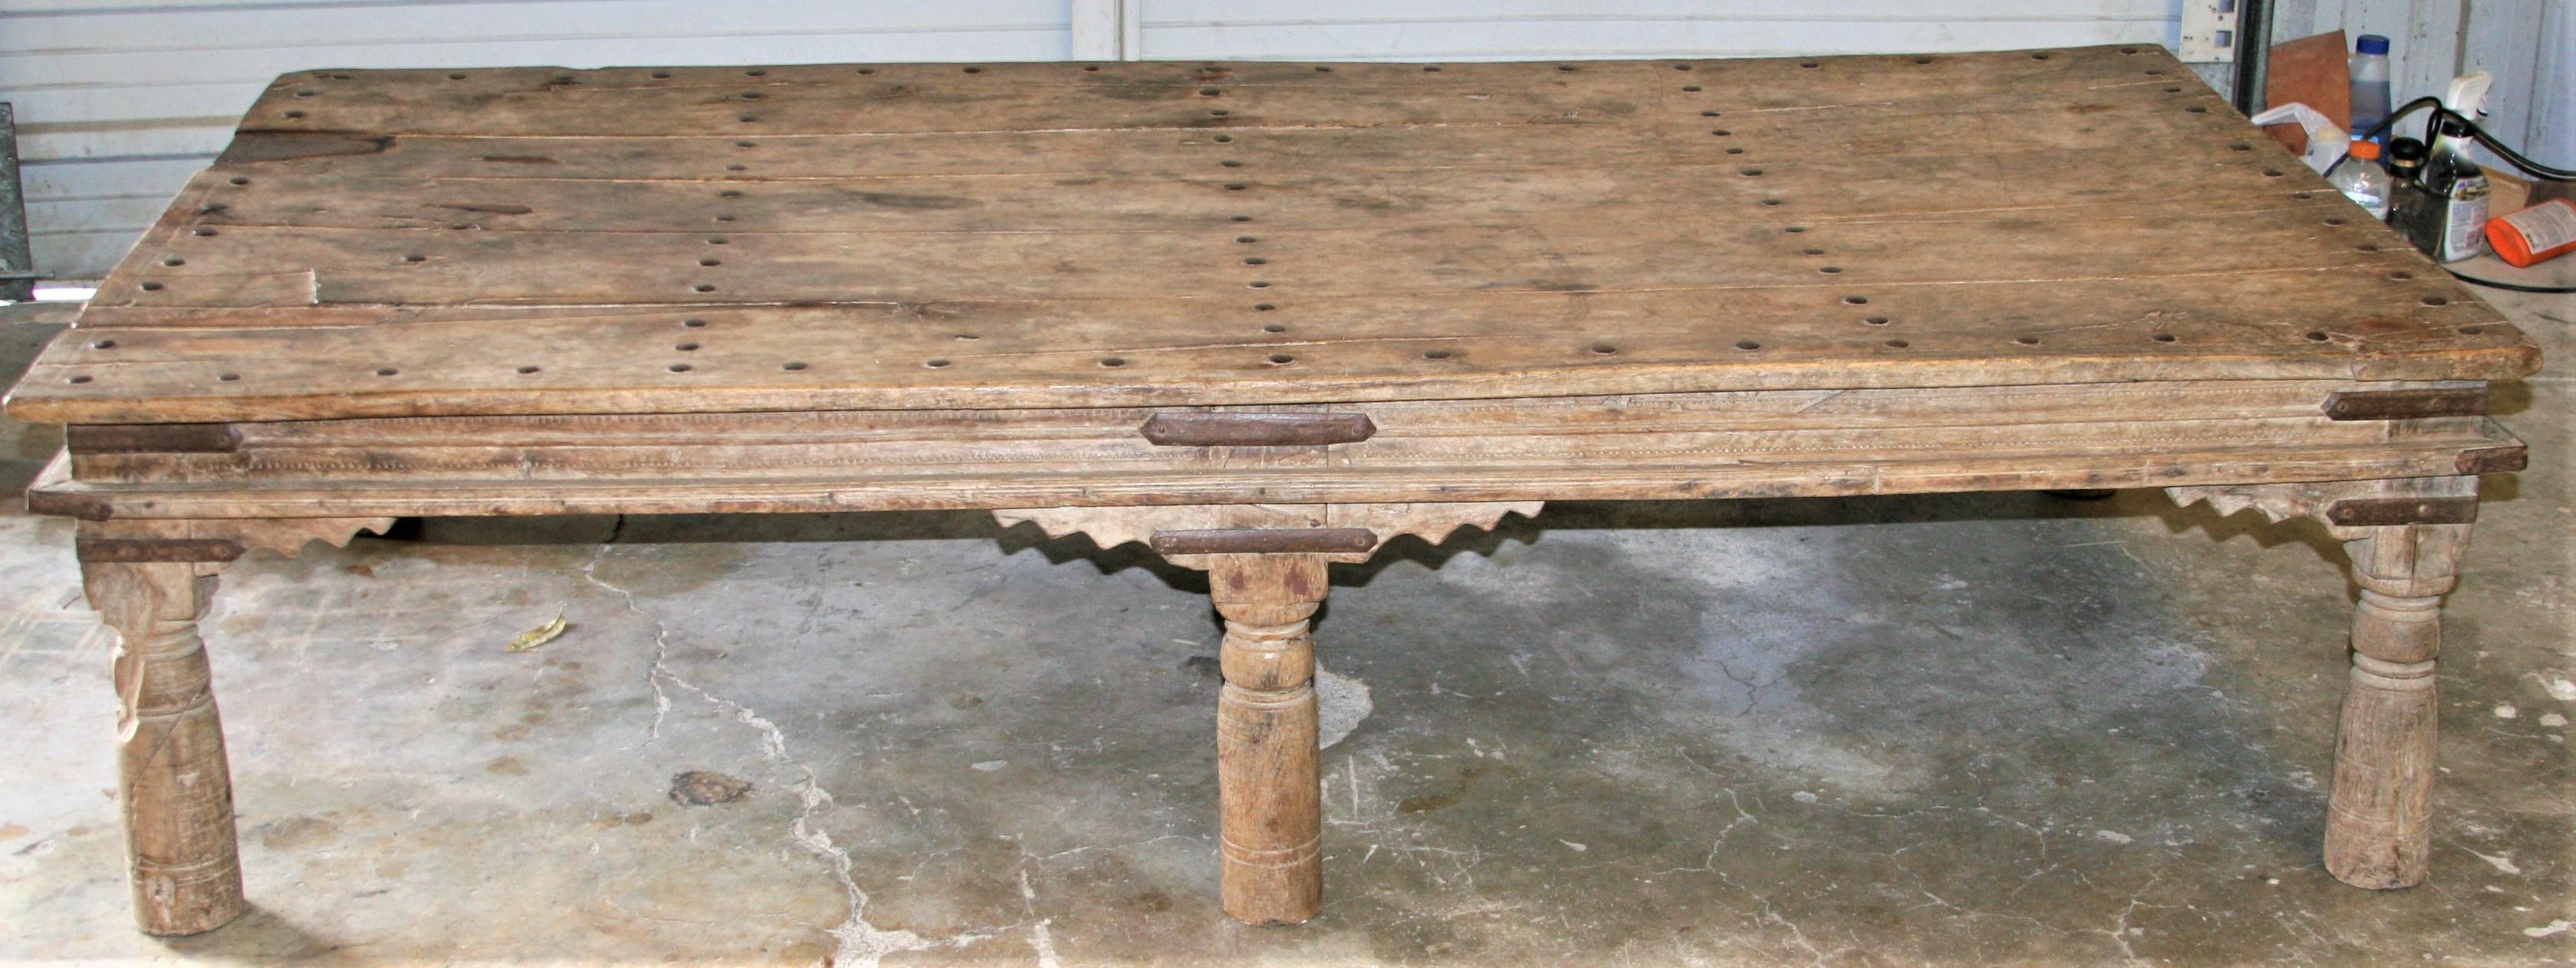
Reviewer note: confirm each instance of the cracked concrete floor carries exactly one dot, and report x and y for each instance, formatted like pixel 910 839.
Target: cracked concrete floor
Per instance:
pixel 1953 729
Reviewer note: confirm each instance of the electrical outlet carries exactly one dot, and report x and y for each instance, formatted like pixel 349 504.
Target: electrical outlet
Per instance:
pixel 2208 32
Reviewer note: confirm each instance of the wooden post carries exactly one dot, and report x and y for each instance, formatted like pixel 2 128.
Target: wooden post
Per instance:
pixel 2379 819
pixel 173 780
pixel 1270 797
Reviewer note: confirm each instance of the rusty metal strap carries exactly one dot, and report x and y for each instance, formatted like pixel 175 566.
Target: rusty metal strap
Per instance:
pixel 2406 404
pixel 1257 429
pixel 2389 511
pixel 133 550
pixel 1242 541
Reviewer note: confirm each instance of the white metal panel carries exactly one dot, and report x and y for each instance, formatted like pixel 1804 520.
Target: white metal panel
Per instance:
pixel 1513 29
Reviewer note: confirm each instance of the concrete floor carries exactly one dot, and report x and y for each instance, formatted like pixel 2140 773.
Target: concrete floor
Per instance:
pixel 1954 729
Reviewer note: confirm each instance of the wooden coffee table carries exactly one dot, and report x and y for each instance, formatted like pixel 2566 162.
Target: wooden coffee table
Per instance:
pixel 1260 317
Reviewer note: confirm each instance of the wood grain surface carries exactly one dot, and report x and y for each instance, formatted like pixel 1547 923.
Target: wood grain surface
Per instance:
pixel 826 237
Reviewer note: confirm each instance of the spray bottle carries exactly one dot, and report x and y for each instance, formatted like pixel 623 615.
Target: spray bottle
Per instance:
pixel 2456 183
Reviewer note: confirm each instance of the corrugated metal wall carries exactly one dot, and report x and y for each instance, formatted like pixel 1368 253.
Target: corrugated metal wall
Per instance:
pixel 119 101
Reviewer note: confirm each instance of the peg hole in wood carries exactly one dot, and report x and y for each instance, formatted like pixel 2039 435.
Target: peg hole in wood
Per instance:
pixel 1709 114
pixel 2155 72
pixel 2434 301
pixel 2332 220
pixel 1734 151
pixel 935 363
pixel 2240 146
pixel 750 95
pixel 237 180
pixel 2271 173
pixel 694 323
pixel 1219 113
pixel 1224 139
pixel 724 218
pixel 1281 359
pixel 1720 132
pixel 1855 300
pixel 415 257
pixel 730 193
pixel 1321 69
pixel 746 144
pixel 737 167
pixel 2164 337
pixel 679 368
pixel 755 72
pixel 2472 330
pixel 1264 307
pixel 2026 340
pixel 2302 196
pixel 203 233
pixel 703 287
pixel 686 347
pixel 1690 88
pixel 1435 354
pixel 2367 247
pixel 228 377
pixel 1085 67
pixel 2198 109
pixel 2039 55
pixel 1749 172
pixel 455 76
pixel 152 287
pixel 974 70
pixel 291 115
pixel 1896 344
pixel 1603 349
pixel 1256 261
pixel 525 370
pixel 2316 335
pixel 1113 362
pixel 1830 270
pixel 1245 240
pixel 711 262
pixel 2174 89
pixel 1235 186
pixel 661 75
pixel 105 344
pixel 1209 92
pixel 747 118
pixel 2128 50
pixel 1811 251
pixel 1231 163
pixel 1747 345
pixel 1874 320
pixel 2401 275
pixel 792 365
pixel 1274 328
pixel 717 240
pixel 1809 64
pixel 1565 67
pixel 969 337
pixel 1259 284
pixel 174 262
pixel 386 371
pixel 1239 218
pixel 1793 229
pixel 80 378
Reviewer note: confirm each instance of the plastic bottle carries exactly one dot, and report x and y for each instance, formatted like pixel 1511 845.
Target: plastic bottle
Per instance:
pixel 2359 177
pixel 2459 189
pixel 2536 234
pixel 2369 85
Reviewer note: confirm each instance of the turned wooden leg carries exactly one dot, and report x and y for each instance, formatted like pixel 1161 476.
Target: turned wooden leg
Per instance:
pixel 2379 820
pixel 1270 798
pixel 173 781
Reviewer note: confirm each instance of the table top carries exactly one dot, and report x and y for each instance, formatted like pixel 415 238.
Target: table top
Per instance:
pixel 827 237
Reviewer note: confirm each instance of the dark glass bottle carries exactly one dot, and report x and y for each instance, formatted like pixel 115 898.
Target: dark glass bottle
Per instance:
pixel 2412 211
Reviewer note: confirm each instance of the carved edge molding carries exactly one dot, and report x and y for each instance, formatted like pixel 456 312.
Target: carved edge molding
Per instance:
pixel 2346 508
pixel 1109 527
pixel 211 543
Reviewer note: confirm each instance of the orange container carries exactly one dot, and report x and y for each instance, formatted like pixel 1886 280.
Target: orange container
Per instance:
pixel 2536 234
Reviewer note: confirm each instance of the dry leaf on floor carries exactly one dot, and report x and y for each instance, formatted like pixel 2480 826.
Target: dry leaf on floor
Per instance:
pixel 530 639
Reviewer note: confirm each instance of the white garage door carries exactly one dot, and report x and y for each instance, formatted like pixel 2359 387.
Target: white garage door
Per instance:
pixel 119 101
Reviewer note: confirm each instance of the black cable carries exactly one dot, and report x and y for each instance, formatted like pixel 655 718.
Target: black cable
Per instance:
pixel 2502 150
pixel 2507 286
